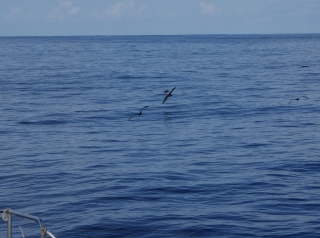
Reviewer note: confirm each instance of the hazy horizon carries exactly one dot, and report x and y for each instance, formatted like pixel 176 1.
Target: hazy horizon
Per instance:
pixel 151 17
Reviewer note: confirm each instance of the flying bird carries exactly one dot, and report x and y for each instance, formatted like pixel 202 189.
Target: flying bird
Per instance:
pixel 298 98
pixel 166 91
pixel 138 114
pixel 168 95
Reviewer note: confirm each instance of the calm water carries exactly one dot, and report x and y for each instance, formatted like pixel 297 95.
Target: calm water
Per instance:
pixel 225 156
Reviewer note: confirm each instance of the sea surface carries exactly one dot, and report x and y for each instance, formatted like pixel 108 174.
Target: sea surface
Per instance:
pixel 227 155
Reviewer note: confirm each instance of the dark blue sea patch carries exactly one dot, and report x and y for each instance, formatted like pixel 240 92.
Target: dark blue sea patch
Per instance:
pixel 44 122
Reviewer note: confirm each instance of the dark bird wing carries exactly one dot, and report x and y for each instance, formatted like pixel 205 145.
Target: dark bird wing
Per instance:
pixel 165 99
pixel 131 117
pixel 142 109
pixel 304 97
pixel 291 100
pixel 172 90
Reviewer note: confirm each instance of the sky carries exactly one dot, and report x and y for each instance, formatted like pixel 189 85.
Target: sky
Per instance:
pixel 157 17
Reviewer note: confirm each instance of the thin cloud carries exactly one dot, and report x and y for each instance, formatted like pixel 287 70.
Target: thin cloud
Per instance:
pixel 70 8
pixel 17 14
pixel 121 9
pixel 64 9
pixel 13 13
pixel 208 8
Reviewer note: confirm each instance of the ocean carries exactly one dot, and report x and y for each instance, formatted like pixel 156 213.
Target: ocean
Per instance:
pixel 229 154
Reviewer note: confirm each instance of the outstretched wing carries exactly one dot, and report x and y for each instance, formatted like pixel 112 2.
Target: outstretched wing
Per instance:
pixel 304 97
pixel 143 108
pixel 165 99
pixel 131 117
pixel 291 100
pixel 172 90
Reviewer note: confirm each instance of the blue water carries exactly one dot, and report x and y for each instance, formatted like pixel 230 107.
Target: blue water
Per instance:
pixel 225 156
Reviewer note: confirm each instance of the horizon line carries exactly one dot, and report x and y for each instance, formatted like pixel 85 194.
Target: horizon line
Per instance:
pixel 191 34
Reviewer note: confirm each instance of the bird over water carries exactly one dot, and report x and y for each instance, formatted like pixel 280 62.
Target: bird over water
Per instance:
pixel 298 98
pixel 138 114
pixel 168 95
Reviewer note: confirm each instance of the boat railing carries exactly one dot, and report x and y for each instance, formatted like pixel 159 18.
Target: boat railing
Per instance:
pixel 8 213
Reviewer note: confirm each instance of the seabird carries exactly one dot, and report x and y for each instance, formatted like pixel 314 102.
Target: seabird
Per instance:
pixel 166 91
pixel 298 98
pixel 168 95
pixel 138 114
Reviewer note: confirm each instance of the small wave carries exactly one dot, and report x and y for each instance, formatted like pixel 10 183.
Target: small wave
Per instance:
pixel 44 122
pixel 129 77
pixel 252 145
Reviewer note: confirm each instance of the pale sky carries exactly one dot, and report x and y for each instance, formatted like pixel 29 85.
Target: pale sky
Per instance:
pixel 157 17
